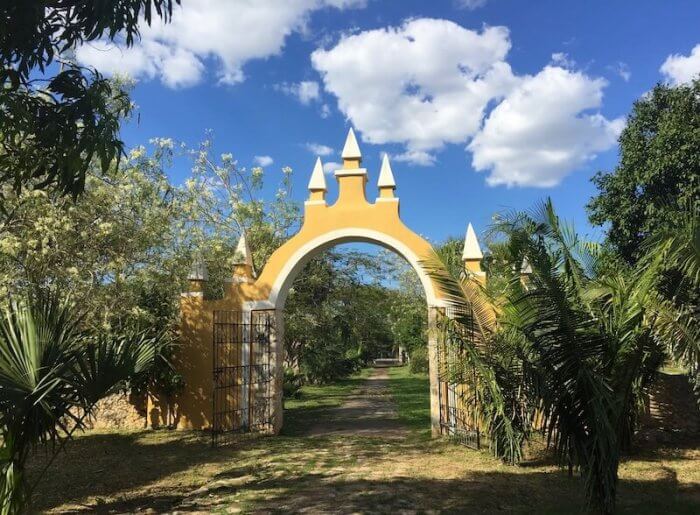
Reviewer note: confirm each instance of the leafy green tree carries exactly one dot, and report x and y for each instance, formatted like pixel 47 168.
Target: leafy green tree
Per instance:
pixel 122 248
pixel 53 127
pixel 310 290
pixel 226 202
pixel 659 169
pixel 346 308
pixel 125 246
pixel 408 315
pixel 52 374
pixel 450 252
pixel 330 326
pixel 676 312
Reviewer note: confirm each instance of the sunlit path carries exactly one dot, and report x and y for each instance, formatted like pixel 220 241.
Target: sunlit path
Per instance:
pixel 368 411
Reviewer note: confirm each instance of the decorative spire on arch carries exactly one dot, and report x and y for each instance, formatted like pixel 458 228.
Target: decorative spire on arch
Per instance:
pixel 243 255
pixel 243 270
pixel 352 157
pixel 472 249
pixel 386 182
pixel 317 183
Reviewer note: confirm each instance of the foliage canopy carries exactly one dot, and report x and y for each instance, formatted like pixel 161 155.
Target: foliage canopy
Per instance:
pixel 659 170
pixel 52 127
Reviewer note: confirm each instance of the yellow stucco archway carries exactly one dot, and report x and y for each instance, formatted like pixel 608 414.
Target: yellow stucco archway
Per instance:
pixel 352 218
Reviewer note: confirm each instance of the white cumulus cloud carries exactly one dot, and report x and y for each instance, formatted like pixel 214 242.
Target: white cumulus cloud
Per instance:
pixel 263 160
pixel 622 69
pixel 415 157
pixel 332 166
pixel 544 129
pixel 230 32
pixel 563 60
pixel 318 149
pixel 305 91
pixel 681 69
pixel 470 4
pixel 424 84
pixel 432 82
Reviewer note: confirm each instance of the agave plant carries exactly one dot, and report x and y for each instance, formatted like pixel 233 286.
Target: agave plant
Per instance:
pixel 51 376
pixel 570 347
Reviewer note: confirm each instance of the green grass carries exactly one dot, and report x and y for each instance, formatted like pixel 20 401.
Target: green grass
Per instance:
pixel 314 400
pixel 166 471
pixel 411 392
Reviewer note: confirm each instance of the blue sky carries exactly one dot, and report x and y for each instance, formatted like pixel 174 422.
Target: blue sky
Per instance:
pixel 532 93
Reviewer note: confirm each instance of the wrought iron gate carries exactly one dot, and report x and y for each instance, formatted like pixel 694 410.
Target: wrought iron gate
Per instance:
pixel 458 403
pixel 243 372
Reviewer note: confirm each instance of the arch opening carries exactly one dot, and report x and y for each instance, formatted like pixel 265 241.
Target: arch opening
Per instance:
pixel 353 307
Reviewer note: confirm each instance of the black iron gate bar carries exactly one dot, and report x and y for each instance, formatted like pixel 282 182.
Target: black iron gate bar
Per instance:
pixel 241 391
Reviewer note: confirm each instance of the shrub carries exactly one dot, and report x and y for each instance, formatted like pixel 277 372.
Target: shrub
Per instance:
pixel 419 360
pixel 292 384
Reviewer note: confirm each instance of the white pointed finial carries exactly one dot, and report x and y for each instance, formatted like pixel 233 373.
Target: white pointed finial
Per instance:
pixel 386 177
pixel 472 250
pixel 351 150
pixel 243 255
pixel 318 178
pixel 525 267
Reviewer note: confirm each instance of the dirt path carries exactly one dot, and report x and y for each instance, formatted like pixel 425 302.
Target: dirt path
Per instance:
pixel 368 411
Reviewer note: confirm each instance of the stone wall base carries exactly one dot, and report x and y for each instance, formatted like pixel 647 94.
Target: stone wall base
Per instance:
pixel 119 411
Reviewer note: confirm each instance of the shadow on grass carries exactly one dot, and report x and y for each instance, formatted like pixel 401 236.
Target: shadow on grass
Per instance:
pixel 165 471
pixel 102 464
pixel 115 473
pixel 481 492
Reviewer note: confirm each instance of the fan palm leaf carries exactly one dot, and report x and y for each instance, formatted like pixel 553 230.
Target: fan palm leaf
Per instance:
pixel 51 375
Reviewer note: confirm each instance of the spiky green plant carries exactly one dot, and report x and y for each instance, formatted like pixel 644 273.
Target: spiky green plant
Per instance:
pixel 51 376
pixel 570 348
pixel 671 272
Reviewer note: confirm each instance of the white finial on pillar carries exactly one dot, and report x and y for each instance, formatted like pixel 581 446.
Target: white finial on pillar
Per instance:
pixel 243 255
pixel 386 182
pixel 525 267
pixel 472 249
pixel 351 150
pixel 318 178
pixel 386 176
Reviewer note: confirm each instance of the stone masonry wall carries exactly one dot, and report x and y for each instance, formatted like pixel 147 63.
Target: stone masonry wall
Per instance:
pixel 120 411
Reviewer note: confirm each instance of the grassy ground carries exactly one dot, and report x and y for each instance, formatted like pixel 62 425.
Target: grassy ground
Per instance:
pixel 168 471
pixel 410 392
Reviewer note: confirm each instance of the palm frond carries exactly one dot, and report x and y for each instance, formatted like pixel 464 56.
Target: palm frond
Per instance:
pixel 51 375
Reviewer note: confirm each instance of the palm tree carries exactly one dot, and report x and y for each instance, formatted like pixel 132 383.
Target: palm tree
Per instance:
pixel 489 374
pixel 671 269
pixel 51 376
pixel 570 348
